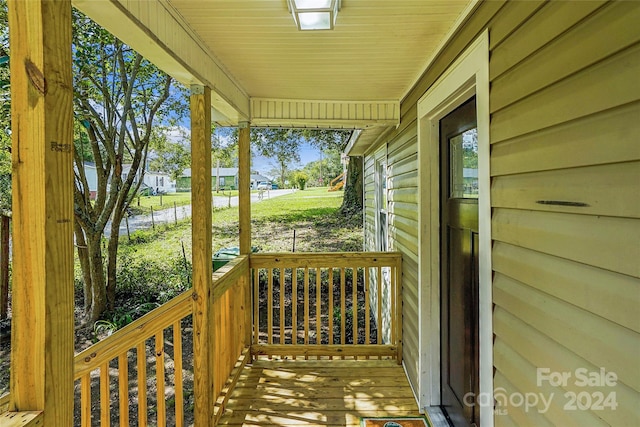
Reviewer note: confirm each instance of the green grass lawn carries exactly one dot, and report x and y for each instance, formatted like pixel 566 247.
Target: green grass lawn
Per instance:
pixel 299 206
pixel 225 193
pixel 156 265
pixel 152 267
pixel 312 213
pixel 314 216
pixel 143 204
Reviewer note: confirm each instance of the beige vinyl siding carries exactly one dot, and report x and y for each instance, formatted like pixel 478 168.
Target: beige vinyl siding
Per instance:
pixel 402 161
pixel 403 191
pixel 404 184
pixel 565 175
pixel 565 169
pixel 369 203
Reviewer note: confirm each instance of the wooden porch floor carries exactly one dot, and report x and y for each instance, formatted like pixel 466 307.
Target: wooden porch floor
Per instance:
pixel 318 393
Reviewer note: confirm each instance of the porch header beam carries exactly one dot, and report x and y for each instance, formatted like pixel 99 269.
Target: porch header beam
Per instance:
pixel 157 32
pixel 324 113
pixel 42 162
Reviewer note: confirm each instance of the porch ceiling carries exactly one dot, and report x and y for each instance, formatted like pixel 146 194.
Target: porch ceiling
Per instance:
pixel 262 69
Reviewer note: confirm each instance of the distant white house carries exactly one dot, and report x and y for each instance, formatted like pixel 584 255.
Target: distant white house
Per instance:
pixel 91 175
pixel 256 179
pixel 227 177
pixel 156 182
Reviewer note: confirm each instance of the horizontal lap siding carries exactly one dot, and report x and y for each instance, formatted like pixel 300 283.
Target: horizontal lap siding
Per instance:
pixel 565 167
pixel 403 224
pixel 369 203
pixel 403 186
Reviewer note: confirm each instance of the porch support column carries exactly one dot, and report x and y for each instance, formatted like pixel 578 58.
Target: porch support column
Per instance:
pixel 42 161
pixel 203 339
pixel 244 184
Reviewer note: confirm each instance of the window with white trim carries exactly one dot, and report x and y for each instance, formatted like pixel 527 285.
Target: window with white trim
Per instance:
pixel 382 242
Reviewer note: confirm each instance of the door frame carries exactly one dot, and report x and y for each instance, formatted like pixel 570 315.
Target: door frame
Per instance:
pixel 467 76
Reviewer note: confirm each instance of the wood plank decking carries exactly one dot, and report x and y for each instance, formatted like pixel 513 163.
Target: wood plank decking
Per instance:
pixel 318 393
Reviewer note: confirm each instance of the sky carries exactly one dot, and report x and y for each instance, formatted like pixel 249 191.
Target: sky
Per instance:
pixel 264 165
pixel 308 154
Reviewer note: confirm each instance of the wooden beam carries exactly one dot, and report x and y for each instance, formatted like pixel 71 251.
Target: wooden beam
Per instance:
pixel 244 190
pixel 42 154
pixel 349 350
pixel 203 316
pixel 22 419
pixel 229 274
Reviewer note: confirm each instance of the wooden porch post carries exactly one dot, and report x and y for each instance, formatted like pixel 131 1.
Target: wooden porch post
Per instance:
pixel 42 155
pixel 244 212
pixel 244 184
pixel 203 339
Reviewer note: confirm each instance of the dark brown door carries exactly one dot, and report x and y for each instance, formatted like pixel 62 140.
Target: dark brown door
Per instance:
pixel 459 265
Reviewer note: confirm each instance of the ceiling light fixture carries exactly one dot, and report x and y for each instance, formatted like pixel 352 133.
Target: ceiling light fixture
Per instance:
pixel 314 14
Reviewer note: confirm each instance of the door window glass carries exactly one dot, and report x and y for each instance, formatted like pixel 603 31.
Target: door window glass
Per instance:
pixel 463 161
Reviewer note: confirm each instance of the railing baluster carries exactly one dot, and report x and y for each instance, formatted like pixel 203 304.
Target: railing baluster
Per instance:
pixel 343 323
pixel 379 310
pixel 282 314
pixel 256 306
pixel 270 306
pixel 306 308
pixel 354 306
pixel 105 398
pixel 85 400
pixel 367 308
pixel 141 356
pixel 318 306
pixel 123 389
pixel 177 372
pixel 398 303
pixel 161 402
pixel 330 308
pixel 392 306
pixel 294 307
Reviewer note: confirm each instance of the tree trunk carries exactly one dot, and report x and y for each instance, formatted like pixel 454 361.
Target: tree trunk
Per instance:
pixel 83 257
pixel 283 173
pixel 98 291
pixel 112 258
pixel 353 193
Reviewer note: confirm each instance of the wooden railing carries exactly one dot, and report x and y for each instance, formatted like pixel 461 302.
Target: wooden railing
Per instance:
pixel 327 304
pixel 22 419
pixel 4 403
pixel 130 349
pixel 344 305
pixel 149 353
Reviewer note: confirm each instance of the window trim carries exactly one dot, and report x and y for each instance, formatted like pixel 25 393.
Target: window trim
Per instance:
pixel 381 196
